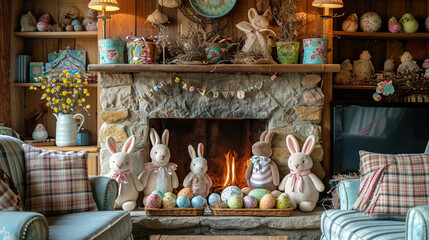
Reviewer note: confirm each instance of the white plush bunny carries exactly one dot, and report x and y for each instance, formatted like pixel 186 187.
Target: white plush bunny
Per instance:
pixel 160 173
pixel 300 184
pixel 120 164
pixel 198 180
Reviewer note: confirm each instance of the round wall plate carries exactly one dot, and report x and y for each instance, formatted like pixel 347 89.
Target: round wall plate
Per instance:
pixel 213 8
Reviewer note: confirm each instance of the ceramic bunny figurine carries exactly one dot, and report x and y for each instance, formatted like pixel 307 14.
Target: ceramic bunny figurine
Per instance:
pixel 160 173
pixel 198 180
pixel 120 164
pixel 301 185
pixel 262 172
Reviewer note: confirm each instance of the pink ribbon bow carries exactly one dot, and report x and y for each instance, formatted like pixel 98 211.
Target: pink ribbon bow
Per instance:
pixel 153 166
pixel 121 177
pixel 297 178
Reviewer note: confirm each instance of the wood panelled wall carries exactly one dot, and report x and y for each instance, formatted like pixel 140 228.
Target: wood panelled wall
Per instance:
pixel 4 63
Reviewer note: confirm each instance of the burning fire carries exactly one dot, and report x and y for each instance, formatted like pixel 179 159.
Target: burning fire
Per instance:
pixel 230 168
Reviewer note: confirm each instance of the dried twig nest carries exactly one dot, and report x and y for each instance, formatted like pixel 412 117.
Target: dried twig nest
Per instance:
pixel 170 3
pixel 157 17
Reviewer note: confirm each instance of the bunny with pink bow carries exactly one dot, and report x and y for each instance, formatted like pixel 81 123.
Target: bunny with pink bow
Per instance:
pixel 300 184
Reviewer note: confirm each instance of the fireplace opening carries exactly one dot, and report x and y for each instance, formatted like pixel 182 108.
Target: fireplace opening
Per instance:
pixel 227 146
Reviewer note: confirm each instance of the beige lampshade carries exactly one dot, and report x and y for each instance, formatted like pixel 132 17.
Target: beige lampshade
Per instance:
pixel 111 5
pixel 328 3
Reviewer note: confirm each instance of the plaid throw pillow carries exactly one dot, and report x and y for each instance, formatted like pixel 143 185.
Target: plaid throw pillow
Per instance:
pixel 57 182
pixel 405 182
pixel 9 197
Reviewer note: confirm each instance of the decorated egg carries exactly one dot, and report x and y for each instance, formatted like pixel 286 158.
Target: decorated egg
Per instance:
pixel 427 24
pixel 409 23
pixel 198 202
pixel 351 23
pixel 282 202
pixel 250 202
pixel 246 190
pixel 153 201
pixel 170 194
pixel 159 193
pixel 183 202
pixel 186 192
pixel 276 193
pixel 394 25
pixel 370 22
pixel 214 198
pixel 230 191
pixel 168 202
pixel 267 202
pixel 259 193
pixel 235 201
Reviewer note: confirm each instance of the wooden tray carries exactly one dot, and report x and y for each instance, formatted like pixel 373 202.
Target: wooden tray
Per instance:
pixel 174 211
pixel 40 143
pixel 251 212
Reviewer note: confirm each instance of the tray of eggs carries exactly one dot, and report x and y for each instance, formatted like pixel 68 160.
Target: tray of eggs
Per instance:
pixel 168 204
pixel 234 201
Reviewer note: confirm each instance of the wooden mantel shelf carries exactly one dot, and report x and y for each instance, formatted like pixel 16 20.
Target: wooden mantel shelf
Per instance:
pixel 215 68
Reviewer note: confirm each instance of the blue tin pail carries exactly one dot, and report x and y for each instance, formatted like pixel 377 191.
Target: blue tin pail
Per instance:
pixel 111 51
pixel 315 51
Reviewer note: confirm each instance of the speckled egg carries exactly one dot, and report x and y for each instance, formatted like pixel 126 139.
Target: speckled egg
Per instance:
pixel 235 201
pixel 170 194
pixel 168 202
pixel 250 202
pixel 153 201
pixel 282 202
pixel 370 22
pixel 230 191
pixel 198 202
pixel 183 202
pixel 276 193
pixel 186 192
pixel 214 198
pixel 159 193
pixel 246 190
pixel 259 193
pixel 267 202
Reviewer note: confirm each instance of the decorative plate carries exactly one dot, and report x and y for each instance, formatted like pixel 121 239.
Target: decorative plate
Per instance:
pixel 213 8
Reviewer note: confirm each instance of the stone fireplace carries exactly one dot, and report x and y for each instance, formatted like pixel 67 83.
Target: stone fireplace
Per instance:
pixel 289 104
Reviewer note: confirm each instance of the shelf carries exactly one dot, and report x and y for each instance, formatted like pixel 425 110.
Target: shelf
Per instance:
pixel 80 34
pixel 215 68
pixel 380 35
pixel 68 149
pixel 91 85
pixel 355 87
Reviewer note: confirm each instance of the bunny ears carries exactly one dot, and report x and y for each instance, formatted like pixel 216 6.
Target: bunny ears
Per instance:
pixel 127 148
pixel 266 136
pixel 192 153
pixel 154 137
pixel 292 144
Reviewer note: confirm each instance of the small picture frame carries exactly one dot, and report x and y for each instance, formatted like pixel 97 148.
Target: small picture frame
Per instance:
pixel 36 70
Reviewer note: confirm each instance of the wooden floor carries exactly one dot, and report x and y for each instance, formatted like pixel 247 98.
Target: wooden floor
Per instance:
pixel 203 237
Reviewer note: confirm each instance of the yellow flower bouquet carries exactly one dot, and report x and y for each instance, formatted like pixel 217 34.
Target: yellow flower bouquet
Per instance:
pixel 63 91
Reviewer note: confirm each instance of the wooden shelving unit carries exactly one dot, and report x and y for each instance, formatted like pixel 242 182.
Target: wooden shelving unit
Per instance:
pixel 355 87
pixel 380 35
pixel 80 34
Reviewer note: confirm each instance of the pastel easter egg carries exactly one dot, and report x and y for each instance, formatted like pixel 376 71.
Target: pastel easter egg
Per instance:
pixel 259 193
pixel 250 202
pixel 159 193
pixel 183 202
pixel 153 201
pixel 198 202
pixel 370 22
pixel 246 190
pixel 170 194
pixel 168 202
pixel 186 192
pixel 214 198
pixel 267 202
pixel 276 193
pixel 235 201
pixel 230 191
pixel 282 202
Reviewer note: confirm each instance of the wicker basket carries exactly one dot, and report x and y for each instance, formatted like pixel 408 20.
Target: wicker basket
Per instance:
pixel 41 143
pixel 174 211
pixel 251 212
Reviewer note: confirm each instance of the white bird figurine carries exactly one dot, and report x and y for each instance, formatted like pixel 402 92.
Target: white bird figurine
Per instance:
pixel 40 132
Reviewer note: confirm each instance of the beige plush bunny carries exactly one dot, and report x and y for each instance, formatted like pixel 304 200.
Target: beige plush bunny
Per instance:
pixel 300 184
pixel 160 173
pixel 198 180
pixel 262 172
pixel 120 164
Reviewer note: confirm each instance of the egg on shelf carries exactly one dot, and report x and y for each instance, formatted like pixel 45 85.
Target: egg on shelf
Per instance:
pixel 370 22
pixel 159 193
pixel 168 202
pixel 183 202
pixel 351 23
pixel 153 201
pixel 214 198
pixel 235 201
pixel 394 25
pixel 250 202
pixel 259 193
pixel 267 202
pixel 282 202
pixel 246 190
pixel 186 192
pixel 230 191
pixel 170 194
pixel 409 23
pixel 198 201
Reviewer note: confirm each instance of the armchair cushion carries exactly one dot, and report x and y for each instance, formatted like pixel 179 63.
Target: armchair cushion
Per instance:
pixel 57 182
pixel 23 225
pixel 9 196
pixel 104 191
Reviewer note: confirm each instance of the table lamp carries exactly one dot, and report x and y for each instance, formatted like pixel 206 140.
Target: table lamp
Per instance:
pixel 327 4
pixel 103 6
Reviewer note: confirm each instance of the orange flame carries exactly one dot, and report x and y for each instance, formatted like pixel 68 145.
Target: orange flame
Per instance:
pixel 230 168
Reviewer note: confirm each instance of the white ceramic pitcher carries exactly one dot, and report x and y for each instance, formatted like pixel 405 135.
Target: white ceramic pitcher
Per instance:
pixel 66 133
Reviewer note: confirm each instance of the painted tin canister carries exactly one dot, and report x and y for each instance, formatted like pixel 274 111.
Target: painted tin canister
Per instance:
pixel 288 52
pixel 83 137
pixel 141 52
pixel 315 50
pixel 66 132
pixel 111 51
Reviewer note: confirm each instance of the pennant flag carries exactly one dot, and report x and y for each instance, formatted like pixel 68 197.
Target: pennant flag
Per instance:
pixel 232 93
pixel 241 94
pixel 202 91
pixel 273 77
pixel 215 94
pixel 191 88
pixel 185 86
pixel 260 86
pixel 225 94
